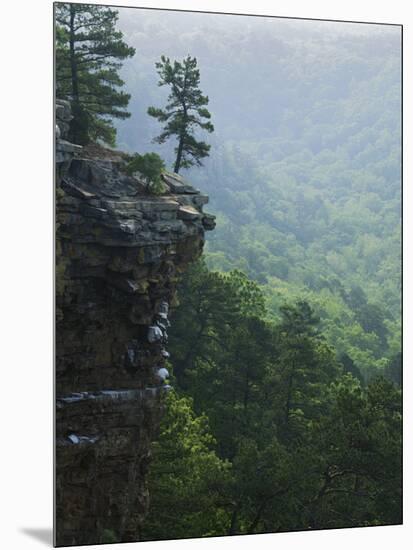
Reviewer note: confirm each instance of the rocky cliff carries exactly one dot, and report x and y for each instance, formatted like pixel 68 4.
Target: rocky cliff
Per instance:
pixel 119 253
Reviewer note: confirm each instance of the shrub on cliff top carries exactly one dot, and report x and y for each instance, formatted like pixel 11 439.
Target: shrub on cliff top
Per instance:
pixel 151 166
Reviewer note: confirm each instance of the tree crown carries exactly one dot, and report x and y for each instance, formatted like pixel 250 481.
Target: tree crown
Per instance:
pixel 185 111
pixel 88 54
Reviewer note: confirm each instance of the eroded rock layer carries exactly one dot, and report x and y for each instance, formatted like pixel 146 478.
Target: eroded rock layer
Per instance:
pixel 119 253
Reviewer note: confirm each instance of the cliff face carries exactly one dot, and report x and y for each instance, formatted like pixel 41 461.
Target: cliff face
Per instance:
pixel 119 254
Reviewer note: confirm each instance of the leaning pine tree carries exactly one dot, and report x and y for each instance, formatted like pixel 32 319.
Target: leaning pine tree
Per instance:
pixel 185 111
pixel 88 54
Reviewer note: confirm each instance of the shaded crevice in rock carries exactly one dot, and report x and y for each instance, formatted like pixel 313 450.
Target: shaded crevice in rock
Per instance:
pixel 119 255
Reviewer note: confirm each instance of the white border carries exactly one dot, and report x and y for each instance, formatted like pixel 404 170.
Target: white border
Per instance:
pixel 26 257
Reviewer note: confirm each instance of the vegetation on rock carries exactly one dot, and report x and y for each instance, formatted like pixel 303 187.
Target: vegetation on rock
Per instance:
pixel 149 165
pixel 185 111
pixel 89 49
pixel 285 344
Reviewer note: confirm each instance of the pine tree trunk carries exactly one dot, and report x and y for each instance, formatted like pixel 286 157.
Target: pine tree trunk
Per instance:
pixel 182 134
pixel 75 134
pixel 179 154
pixel 234 519
pixel 288 401
pixel 255 521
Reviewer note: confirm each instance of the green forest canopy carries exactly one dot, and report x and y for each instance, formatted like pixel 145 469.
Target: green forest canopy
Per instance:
pixel 280 419
pixel 266 431
pixel 304 168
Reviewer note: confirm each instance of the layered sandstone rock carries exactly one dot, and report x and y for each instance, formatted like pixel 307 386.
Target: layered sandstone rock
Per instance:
pixel 119 254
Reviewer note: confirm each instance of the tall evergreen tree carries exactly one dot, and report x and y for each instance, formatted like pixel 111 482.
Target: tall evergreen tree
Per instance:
pixel 187 478
pixel 185 111
pixel 88 54
pixel 306 364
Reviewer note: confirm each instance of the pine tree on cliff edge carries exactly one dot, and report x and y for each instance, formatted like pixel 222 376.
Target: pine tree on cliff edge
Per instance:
pixel 88 54
pixel 185 111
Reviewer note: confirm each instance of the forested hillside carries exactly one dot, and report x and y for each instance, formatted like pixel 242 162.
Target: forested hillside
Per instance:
pixel 267 431
pixel 304 169
pixel 279 372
